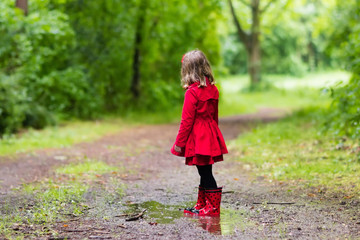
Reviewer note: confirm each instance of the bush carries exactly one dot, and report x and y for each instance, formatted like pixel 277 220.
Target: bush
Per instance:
pixel 345 117
pixel 12 104
pixel 37 81
pixel 75 58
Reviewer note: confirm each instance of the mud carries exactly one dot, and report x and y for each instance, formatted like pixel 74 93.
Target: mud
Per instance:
pixel 252 208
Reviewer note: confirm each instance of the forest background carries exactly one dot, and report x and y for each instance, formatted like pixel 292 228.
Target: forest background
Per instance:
pixel 74 59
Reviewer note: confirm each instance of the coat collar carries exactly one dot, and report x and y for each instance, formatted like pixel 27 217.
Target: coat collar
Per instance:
pixel 195 84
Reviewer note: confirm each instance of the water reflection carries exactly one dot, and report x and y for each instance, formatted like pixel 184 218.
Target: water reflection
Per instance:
pixel 158 212
pixel 210 224
pixel 227 223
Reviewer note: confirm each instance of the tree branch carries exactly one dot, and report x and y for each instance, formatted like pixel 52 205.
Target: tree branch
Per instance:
pixel 242 34
pixel 267 6
pixel 245 3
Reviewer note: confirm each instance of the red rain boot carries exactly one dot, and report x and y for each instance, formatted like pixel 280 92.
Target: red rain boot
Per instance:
pixel 213 200
pixel 200 202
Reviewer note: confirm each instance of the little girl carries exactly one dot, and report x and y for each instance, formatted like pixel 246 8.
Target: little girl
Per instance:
pixel 199 139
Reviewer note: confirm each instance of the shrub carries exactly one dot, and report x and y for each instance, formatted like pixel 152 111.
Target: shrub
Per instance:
pixel 345 116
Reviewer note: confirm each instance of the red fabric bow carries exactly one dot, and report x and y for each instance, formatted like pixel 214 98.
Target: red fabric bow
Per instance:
pixel 182 60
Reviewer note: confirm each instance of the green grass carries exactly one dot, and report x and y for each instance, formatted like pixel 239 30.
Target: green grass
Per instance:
pixel 58 198
pixel 297 150
pixel 60 136
pixel 285 92
pixel 235 103
pixel 90 169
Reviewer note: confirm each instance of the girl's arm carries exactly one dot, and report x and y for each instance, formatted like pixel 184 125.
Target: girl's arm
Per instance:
pixel 216 114
pixel 187 119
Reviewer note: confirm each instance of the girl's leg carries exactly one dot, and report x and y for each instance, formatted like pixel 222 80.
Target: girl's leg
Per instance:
pixel 207 179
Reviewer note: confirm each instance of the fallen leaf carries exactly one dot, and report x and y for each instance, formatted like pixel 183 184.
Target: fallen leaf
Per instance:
pixel 236 179
pixel 311 195
pixel 348 197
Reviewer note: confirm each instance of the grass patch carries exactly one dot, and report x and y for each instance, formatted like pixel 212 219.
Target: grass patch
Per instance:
pixel 284 92
pixel 90 168
pixel 60 136
pixel 37 206
pixel 231 104
pixel 296 150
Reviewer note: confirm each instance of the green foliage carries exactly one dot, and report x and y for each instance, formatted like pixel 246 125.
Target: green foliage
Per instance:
pixel 234 55
pixel 281 50
pixel 12 104
pixel 294 35
pixel 345 117
pixel 106 43
pixel 74 58
pixel 295 151
pixel 36 79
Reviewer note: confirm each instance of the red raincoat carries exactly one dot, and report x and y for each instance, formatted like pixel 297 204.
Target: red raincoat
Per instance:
pixel 199 135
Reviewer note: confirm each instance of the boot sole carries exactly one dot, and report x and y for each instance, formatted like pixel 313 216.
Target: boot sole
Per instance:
pixel 189 212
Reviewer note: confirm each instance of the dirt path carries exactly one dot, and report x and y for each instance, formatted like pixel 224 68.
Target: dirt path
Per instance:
pixel 161 183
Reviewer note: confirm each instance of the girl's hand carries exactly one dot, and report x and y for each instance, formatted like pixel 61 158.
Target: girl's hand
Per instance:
pixel 177 149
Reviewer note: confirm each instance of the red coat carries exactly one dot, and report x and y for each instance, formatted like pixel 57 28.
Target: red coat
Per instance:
pixel 199 133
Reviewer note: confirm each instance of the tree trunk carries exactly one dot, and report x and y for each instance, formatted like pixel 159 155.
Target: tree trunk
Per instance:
pixel 22 4
pixel 254 55
pixel 135 83
pixel 251 40
pixel 254 62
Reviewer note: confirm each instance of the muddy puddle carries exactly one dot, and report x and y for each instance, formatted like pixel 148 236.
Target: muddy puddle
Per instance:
pixel 227 223
pixel 156 212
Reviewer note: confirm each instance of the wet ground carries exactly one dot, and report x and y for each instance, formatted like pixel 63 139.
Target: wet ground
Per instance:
pixel 159 185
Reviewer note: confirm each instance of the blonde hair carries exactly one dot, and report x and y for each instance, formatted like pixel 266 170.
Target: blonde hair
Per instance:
pixel 195 68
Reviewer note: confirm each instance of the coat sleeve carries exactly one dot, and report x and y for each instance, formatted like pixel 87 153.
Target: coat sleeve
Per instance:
pixel 187 121
pixel 216 113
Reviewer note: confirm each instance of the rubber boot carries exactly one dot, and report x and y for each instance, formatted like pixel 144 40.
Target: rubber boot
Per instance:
pixel 213 200
pixel 200 202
